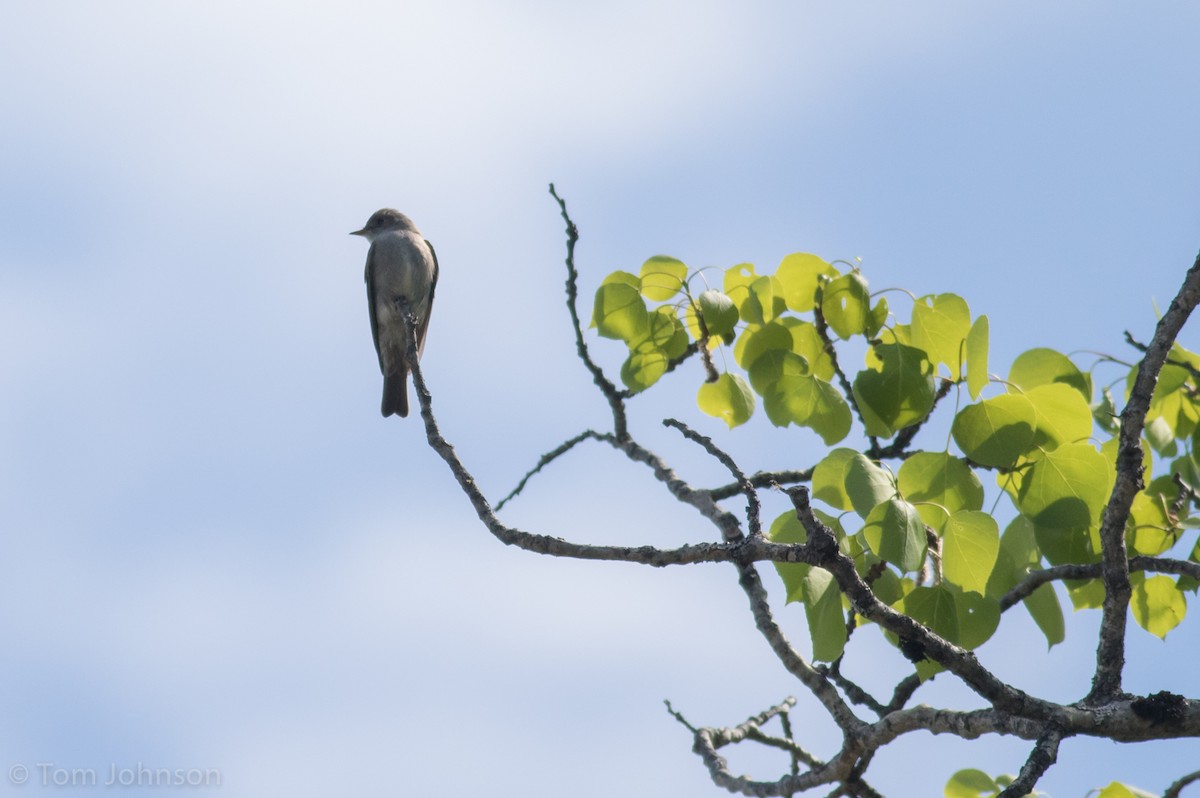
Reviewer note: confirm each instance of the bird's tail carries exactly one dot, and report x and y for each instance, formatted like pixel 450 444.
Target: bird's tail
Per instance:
pixel 395 394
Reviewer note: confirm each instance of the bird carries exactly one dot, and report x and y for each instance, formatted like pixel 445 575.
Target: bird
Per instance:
pixel 401 264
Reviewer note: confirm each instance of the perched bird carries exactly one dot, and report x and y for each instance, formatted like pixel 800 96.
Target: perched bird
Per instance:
pixel 400 264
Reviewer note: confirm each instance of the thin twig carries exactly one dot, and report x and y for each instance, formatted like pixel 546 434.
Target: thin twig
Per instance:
pixel 545 460
pixel 610 391
pixel 753 506
pixel 823 331
pixel 763 479
pixel 1178 785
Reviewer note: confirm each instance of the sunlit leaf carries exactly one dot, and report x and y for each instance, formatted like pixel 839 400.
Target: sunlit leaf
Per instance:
pixel 1171 400
pixel 1085 594
pixel 829 479
pixel 1044 367
pixel 941 478
pixel 662 278
pixel 977 357
pixel 807 343
pixel 995 432
pixel 894 531
pixel 756 340
pixel 729 399
pixel 718 312
pixel 1067 488
pixel 620 312
pixel 978 618
pixel 1046 612
pixel 643 368
pixel 940 325
pixel 900 393
pixel 788 529
pixel 799 274
pixel 936 608
pixel 826 619
pixel 1063 416
pixel 809 402
pixel 970 783
pixel 867 484
pixel 845 303
pixel 769 368
pixel 971 543
pixel 1157 605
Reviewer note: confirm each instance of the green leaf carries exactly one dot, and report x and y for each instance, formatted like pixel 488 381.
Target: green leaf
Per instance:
pixel 1171 400
pixel 771 367
pixel 677 343
pixel 729 399
pixel 1044 367
pixel 788 529
pixel 1018 554
pixel 894 531
pixel 867 484
pixel 978 618
pixel 878 317
pixel 898 394
pixel 756 340
pixel 940 325
pixel 977 357
pixel 1063 416
pixel 719 314
pixel 995 432
pixel 940 478
pixel 1086 594
pixel 1150 529
pixel 846 305
pixel 1160 435
pixel 643 368
pixel 799 275
pixel 1158 606
pixel 620 312
pixel 1067 488
pixel 971 543
pixel 1105 413
pixel 829 479
pixel 1118 790
pixel 823 608
pixel 809 402
pixel 936 608
pixel 1043 606
pixel 807 343
pixel 970 783
pixel 765 302
pixel 662 278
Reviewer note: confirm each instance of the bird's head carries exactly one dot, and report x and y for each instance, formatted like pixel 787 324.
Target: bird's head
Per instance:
pixel 383 221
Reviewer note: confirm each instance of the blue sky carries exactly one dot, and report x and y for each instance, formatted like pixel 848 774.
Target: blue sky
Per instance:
pixel 216 554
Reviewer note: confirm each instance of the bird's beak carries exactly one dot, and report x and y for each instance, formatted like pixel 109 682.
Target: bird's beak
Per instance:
pixel 362 232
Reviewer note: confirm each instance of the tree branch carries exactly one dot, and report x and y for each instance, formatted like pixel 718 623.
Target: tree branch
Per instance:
pixel 545 460
pixel 1110 653
pixel 1043 755
pixel 1178 785
pixel 1036 579
pixel 753 506
pixel 610 391
pixel 763 479
pixel 847 389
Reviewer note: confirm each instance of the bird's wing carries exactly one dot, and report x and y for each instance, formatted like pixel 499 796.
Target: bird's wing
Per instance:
pixel 424 326
pixel 369 277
